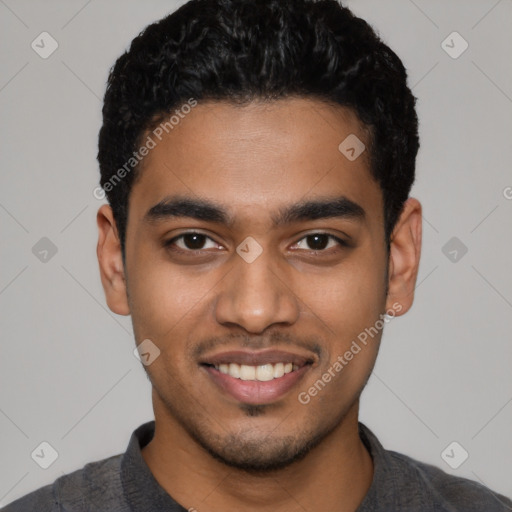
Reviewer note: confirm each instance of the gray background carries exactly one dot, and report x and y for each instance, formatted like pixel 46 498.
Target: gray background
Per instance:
pixel 68 374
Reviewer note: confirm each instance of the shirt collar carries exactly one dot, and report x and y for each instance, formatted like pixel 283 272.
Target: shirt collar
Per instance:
pixel 384 487
pixel 144 493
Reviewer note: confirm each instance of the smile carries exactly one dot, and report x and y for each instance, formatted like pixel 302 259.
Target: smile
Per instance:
pixel 256 377
pixel 263 373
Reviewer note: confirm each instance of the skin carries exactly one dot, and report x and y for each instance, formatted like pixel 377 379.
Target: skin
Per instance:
pixel 254 160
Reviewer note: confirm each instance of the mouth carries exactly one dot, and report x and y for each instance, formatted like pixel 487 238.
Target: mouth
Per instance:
pixel 262 373
pixel 256 377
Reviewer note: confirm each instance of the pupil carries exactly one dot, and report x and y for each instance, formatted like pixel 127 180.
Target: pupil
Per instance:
pixel 315 245
pixel 194 241
pixel 316 242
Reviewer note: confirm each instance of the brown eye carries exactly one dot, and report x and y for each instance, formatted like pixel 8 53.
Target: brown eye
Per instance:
pixel 320 242
pixel 193 241
pixel 317 242
pixel 190 242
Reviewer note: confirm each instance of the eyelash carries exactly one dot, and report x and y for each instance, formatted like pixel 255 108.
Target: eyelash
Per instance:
pixel 169 243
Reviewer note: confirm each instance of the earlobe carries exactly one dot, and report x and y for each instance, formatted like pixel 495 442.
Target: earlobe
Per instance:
pixel 110 261
pixel 404 257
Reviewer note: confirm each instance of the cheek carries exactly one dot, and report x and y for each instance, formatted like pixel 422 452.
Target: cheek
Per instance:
pixel 165 306
pixel 163 297
pixel 348 298
pixel 347 306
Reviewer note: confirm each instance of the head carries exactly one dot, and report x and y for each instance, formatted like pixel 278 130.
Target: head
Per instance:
pixel 240 223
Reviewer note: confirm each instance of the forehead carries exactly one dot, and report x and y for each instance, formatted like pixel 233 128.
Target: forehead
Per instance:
pixel 256 157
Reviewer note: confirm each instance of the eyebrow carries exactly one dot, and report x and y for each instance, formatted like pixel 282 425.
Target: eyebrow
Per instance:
pixel 205 210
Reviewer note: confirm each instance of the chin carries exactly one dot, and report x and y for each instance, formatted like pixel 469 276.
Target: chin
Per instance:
pixel 260 455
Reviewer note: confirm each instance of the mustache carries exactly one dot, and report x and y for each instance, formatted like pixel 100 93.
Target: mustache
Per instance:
pixel 256 342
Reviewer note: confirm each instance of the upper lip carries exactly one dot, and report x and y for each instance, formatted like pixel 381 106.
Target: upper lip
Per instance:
pixel 259 358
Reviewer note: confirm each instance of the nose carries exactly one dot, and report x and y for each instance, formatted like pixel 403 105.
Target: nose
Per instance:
pixel 257 295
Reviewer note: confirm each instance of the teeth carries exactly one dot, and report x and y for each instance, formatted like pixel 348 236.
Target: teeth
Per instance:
pixel 264 372
pixel 234 370
pixel 278 370
pixel 247 372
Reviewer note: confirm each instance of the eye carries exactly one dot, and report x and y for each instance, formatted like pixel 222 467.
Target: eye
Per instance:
pixel 195 243
pixel 320 242
pixel 191 242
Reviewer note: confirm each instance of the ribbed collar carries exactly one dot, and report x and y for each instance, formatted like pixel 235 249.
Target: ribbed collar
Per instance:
pixel 144 493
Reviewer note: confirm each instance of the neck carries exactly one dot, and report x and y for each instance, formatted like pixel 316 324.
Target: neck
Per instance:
pixel 335 475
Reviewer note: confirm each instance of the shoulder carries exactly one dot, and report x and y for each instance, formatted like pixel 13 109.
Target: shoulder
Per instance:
pixel 445 490
pixel 42 500
pixel 93 487
pixel 401 483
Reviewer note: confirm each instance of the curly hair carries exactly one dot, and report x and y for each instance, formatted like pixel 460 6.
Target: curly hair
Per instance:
pixel 243 50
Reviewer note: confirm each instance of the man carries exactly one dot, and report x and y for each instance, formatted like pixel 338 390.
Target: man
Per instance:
pixel 258 157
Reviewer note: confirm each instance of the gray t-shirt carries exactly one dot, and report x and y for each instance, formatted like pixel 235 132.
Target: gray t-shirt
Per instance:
pixel 124 483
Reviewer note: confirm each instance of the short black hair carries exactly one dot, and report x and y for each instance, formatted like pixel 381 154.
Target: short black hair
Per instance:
pixel 246 50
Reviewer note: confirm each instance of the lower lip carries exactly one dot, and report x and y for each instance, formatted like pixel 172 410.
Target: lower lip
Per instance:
pixel 256 392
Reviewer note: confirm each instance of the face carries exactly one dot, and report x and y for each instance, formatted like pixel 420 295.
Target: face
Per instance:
pixel 255 259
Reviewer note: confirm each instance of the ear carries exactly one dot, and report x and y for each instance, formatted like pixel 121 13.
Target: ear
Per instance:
pixel 111 262
pixel 404 257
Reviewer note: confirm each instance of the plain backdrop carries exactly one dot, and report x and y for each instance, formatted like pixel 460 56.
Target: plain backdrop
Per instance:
pixel 67 369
